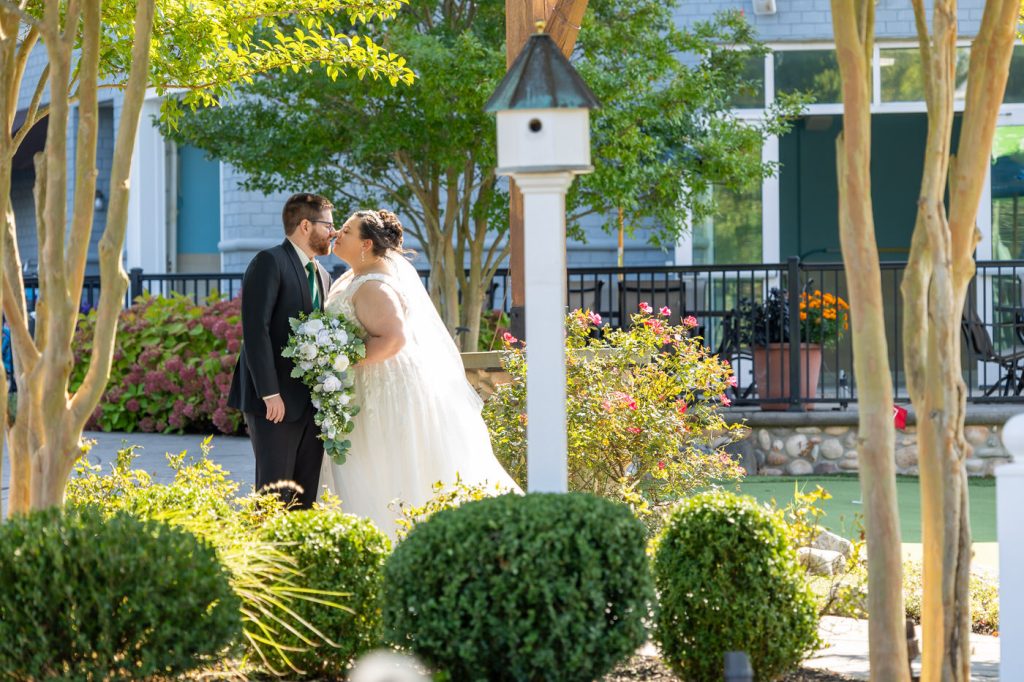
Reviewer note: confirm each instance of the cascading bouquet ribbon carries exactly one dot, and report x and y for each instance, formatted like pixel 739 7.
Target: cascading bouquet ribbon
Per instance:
pixel 324 346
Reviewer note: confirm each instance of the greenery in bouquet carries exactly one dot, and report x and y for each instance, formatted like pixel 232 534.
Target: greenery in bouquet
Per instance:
pixel 643 411
pixel 323 348
pixel 824 318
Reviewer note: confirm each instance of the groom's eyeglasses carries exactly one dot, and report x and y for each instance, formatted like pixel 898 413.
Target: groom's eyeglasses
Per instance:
pixel 328 223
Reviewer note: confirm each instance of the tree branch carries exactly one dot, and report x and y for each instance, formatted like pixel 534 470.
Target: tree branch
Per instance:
pixel 85 156
pixel 112 275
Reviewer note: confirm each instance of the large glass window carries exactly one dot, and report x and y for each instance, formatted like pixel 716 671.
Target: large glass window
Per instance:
pixel 1015 84
pixel 751 96
pixel 1008 193
pixel 815 72
pixel 733 234
pixel 901 74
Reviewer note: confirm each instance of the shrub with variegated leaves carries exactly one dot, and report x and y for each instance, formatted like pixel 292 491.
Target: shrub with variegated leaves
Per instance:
pixel 644 422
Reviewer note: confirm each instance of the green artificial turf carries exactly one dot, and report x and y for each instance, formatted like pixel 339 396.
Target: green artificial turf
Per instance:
pixel 844 509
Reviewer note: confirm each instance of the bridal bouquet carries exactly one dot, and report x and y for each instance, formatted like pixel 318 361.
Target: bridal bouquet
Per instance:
pixel 323 347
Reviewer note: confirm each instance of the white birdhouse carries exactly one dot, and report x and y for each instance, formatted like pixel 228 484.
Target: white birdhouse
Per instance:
pixel 543 110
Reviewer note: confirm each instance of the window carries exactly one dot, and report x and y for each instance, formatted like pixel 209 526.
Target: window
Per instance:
pixel 751 96
pixel 815 72
pixel 1015 84
pixel 733 234
pixel 901 74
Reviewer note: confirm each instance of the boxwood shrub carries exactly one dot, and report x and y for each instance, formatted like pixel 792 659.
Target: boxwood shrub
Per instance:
pixel 117 599
pixel 334 553
pixel 728 580
pixel 542 586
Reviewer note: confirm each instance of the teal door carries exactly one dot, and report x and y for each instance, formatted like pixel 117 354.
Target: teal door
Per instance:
pixel 809 200
pixel 198 228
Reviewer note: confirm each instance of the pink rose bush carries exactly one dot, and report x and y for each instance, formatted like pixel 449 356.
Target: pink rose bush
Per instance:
pixel 172 366
pixel 644 412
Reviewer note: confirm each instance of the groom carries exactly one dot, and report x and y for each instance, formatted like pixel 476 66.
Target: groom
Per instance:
pixel 280 283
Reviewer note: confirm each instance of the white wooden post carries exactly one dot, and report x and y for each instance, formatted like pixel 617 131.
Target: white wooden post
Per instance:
pixel 1010 533
pixel 544 251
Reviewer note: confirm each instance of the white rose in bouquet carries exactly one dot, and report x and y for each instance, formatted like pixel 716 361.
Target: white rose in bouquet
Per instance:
pixel 323 346
pixel 311 327
pixel 341 363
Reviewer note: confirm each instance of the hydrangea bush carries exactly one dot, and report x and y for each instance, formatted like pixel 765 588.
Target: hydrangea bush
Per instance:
pixel 644 423
pixel 172 366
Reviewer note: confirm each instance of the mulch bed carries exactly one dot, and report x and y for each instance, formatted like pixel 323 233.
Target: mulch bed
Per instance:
pixel 651 669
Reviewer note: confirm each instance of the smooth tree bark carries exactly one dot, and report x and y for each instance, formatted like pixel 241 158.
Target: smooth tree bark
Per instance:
pixel 939 271
pixel 853 25
pixel 46 437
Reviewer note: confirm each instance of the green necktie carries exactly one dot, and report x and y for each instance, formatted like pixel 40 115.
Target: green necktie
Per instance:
pixel 311 269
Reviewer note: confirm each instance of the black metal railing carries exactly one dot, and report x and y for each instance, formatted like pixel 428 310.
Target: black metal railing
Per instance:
pixel 771 363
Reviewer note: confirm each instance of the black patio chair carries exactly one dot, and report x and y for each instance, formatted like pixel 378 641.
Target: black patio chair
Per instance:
pixel 584 294
pixel 979 342
pixel 656 293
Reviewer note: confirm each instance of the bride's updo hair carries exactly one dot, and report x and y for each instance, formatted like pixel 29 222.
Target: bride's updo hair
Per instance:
pixel 382 228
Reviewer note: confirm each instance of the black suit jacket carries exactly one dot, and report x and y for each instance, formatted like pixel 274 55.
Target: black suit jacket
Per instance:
pixel 275 288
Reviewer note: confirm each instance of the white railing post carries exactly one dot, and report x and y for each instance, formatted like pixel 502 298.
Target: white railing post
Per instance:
pixel 1010 533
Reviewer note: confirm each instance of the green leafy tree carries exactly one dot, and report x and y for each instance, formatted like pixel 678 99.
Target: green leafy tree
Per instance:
pixel 663 135
pixel 198 47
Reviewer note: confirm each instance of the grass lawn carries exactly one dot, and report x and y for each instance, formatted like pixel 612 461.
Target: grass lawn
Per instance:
pixel 844 507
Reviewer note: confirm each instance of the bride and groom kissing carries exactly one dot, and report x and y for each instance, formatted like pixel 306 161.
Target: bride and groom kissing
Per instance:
pixel 419 419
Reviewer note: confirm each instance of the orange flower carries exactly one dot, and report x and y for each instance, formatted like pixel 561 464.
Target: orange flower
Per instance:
pixel 803 316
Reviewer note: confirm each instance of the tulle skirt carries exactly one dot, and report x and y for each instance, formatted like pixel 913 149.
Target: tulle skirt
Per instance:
pixel 414 429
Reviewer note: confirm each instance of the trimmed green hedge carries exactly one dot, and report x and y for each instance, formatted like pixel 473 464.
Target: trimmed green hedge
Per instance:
pixel 728 580
pixel 542 586
pixel 334 553
pixel 116 599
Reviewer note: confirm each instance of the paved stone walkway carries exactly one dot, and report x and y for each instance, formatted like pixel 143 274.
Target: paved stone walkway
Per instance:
pixel 234 454
pixel 846 652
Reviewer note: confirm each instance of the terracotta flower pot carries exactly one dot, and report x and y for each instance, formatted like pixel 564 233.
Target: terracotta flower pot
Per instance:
pixel 771 372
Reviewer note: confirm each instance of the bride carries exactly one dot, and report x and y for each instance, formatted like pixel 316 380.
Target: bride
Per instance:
pixel 419 420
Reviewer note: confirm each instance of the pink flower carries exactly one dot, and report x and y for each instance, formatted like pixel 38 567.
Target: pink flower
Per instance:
pixel 624 398
pixel 661 464
pixel 606 406
pixel 690 321
pixel 509 339
pixel 645 307
pixel 656 325
pixel 132 405
pixel 595 319
pixel 633 429
pixel 682 407
pixel 724 399
pixel 732 380
pixel 665 310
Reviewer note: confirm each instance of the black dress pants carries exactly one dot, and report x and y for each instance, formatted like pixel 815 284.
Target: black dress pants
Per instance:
pixel 287 451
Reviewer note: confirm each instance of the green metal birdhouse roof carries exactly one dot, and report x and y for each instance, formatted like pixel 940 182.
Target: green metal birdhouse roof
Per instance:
pixel 541 78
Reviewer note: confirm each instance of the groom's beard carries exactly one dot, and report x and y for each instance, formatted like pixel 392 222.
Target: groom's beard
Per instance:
pixel 320 245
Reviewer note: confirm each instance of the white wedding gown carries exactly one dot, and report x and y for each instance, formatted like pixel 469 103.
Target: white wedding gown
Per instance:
pixel 419 420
